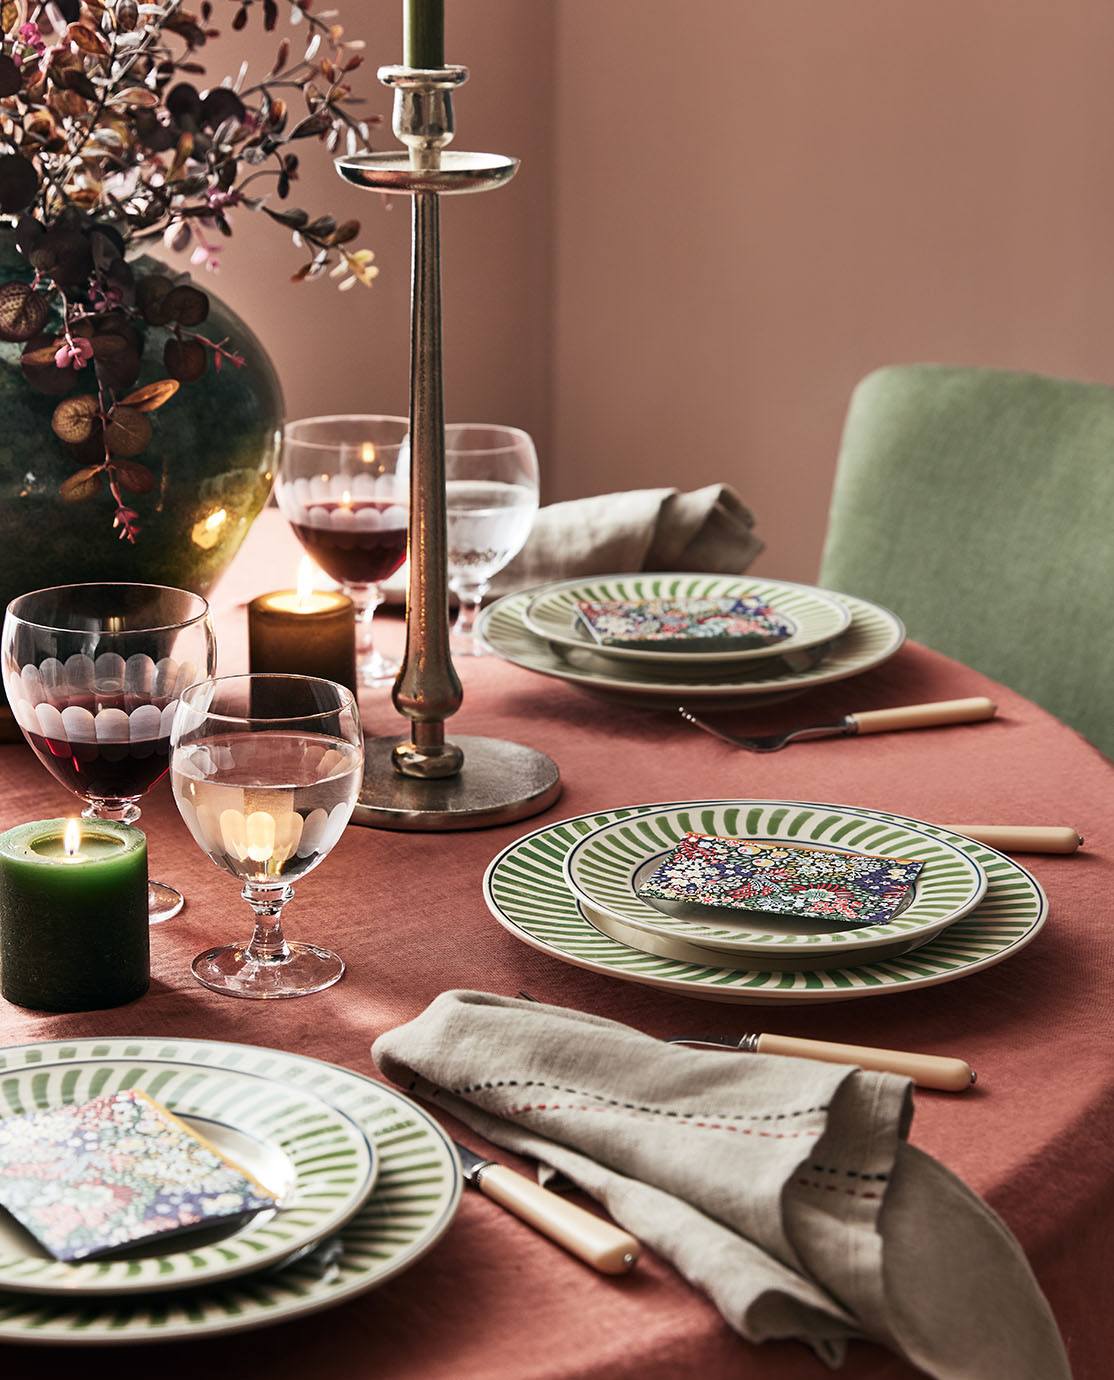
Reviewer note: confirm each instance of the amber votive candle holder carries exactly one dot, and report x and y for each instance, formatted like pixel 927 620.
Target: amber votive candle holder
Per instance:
pixel 304 634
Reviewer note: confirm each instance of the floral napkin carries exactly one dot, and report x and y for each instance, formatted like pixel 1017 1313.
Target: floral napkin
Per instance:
pixel 92 1178
pixel 754 875
pixel 684 624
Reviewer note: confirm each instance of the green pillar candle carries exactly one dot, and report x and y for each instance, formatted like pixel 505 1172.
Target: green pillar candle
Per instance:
pixel 423 33
pixel 74 932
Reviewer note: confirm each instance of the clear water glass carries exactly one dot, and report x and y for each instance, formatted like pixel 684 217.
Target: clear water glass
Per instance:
pixel 266 770
pixel 491 483
pixel 93 674
pixel 341 488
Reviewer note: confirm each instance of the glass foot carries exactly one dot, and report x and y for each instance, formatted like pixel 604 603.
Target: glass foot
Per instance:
pixel 163 902
pixel 232 970
pixel 376 669
pixel 468 644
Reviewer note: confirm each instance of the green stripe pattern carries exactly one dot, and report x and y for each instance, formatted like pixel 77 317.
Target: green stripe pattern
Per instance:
pixel 415 1198
pixel 603 868
pixel 526 891
pixel 874 636
pixel 816 616
pixel 316 1160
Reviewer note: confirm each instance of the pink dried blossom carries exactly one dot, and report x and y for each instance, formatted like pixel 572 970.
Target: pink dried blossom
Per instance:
pixel 73 353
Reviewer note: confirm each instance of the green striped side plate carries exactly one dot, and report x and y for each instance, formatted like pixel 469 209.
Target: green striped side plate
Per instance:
pixel 605 867
pixel 413 1203
pixel 815 615
pixel 526 891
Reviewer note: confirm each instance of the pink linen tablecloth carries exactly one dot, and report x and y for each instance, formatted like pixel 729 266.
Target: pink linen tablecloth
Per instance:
pixel 496 1300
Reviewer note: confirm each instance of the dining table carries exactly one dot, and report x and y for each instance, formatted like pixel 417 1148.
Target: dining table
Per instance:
pixel 407 913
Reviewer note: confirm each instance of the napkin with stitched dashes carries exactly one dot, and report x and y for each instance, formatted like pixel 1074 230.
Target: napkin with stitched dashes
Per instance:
pixel 784 1188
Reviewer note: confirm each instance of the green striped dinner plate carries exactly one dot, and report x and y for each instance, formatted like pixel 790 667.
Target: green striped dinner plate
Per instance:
pixel 874 636
pixel 316 1161
pixel 816 616
pixel 605 867
pixel 526 891
pixel 413 1202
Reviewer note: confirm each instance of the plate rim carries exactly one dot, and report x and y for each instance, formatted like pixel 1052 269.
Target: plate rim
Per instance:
pixel 796 949
pixel 293 1308
pixel 759 997
pixel 650 657
pixel 680 691
pixel 265 1259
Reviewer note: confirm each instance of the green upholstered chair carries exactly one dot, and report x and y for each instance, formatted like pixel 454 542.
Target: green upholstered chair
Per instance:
pixel 979 505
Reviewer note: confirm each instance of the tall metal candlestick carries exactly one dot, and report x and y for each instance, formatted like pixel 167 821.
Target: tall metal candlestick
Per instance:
pixel 425 782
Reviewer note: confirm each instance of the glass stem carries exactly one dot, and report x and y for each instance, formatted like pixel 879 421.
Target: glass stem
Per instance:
pixel 268 943
pixel 469 598
pixel 122 811
pixel 367 599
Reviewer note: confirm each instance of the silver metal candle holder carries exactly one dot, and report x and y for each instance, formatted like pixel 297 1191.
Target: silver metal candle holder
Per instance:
pixel 425 781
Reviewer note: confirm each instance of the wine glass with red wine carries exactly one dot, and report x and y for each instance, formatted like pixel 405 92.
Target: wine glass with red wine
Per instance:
pixel 341 488
pixel 93 674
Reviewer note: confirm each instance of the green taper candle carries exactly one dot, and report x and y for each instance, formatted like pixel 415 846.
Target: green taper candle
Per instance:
pixel 423 33
pixel 74 931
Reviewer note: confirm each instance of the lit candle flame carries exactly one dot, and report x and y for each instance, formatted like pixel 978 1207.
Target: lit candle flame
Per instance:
pixel 367 452
pixel 71 838
pixel 307 579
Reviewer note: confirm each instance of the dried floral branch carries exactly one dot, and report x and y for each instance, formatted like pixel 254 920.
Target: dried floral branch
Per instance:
pixel 106 141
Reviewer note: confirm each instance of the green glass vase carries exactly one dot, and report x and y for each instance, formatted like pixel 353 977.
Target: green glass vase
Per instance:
pixel 214 454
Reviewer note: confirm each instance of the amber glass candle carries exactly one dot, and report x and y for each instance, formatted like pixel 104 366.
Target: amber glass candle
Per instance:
pixel 304 634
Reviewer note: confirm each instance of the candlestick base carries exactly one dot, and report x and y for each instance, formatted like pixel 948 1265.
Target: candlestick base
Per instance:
pixel 501 783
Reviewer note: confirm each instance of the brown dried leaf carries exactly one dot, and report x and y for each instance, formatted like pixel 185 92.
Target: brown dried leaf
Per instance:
pixel 134 477
pixel 87 39
pixel 9 15
pixel 136 97
pixel 23 312
pixel 187 305
pixel 185 360
pixel 82 484
pixel 152 395
pixel 128 432
pixel 11 80
pixel 75 418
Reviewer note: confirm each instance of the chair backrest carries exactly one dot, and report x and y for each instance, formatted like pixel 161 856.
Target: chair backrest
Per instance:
pixel 979 505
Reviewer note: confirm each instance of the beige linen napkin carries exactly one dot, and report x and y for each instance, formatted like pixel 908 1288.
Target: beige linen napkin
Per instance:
pixel 646 529
pixel 783 1188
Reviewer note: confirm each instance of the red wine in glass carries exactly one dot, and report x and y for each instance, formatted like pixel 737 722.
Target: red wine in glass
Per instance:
pixel 110 748
pixel 350 542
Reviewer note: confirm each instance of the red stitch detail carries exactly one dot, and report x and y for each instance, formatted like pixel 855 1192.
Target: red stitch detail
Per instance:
pixel 832 1188
pixel 622 1111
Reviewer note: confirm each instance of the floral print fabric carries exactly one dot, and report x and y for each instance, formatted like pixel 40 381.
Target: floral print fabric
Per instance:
pixel 88 1179
pixel 747 874
pixel 711 624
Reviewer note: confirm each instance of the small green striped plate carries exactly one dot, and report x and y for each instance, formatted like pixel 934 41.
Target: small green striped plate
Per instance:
pixel 410 1208
pixel 526 890
pixel 606 867
pixel 874 636
pixel 315 1160
pixel 816 616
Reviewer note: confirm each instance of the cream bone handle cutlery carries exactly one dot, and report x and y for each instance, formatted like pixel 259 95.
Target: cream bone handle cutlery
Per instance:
pixel 935 715
pixel 596 1241
pixel 937 1071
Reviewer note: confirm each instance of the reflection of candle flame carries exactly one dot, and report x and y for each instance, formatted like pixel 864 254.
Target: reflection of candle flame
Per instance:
pixel 346 500
pixel 205 532
pixel 367 452
pixel 71 838
pixel 307 578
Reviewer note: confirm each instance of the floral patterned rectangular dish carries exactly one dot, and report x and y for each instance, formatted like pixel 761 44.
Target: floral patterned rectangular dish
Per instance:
pixel 750 875
pixel 683 624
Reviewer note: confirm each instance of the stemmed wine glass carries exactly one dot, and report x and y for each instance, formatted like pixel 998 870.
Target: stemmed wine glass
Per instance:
pixel 491 477
pixel 266 770
pixel 93 674
pixel 342 490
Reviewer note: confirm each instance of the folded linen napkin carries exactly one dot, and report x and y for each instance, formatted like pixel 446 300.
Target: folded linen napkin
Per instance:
pixel 784 1188
pixel 646 529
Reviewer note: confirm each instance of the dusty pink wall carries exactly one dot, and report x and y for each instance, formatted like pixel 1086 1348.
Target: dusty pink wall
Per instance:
pixel 690 274
pixel 778 195
pixel 347 352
